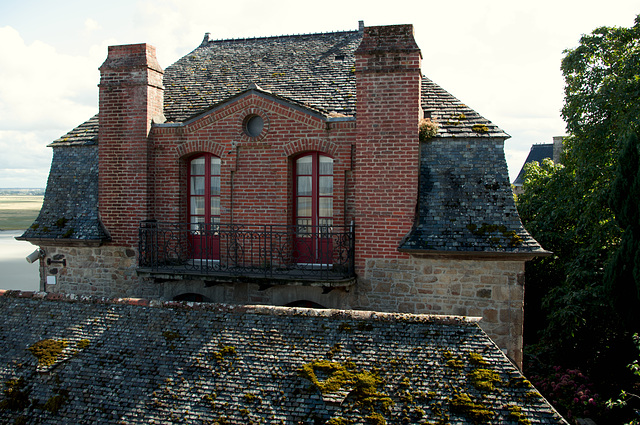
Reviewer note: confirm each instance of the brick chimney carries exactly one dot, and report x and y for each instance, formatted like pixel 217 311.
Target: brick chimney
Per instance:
pixel 388 82
pixel 131 95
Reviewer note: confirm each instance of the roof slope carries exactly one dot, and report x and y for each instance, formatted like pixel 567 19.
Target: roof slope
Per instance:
pixel 70 208
pixel 314 69
pixel 537 153
pixel 465 202
pixel 317 70
pixel 200 363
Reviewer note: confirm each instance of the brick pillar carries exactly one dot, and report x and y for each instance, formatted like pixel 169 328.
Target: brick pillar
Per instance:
pixel 131 95
pixel 388 81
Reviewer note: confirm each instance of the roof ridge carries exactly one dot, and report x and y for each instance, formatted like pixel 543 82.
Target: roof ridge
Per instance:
pixel 370 315
pixel 207 36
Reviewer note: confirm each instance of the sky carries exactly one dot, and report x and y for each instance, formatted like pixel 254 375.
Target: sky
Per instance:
pixel 500 57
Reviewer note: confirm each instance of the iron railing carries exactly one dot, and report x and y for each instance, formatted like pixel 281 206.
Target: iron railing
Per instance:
pixel 262 251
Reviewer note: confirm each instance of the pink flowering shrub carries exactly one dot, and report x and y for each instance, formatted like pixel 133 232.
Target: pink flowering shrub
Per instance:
pixel 571 392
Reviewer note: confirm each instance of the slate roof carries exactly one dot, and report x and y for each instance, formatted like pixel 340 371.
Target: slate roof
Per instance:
pixel 465 202
pixel 69 212
pixel 313 70
pixel 196 363
pixel 536 153
pixel 316 70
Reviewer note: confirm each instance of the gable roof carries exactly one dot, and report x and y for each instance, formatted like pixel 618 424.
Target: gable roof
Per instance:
pixel 176 362
pixel 537 153
pixel 313 69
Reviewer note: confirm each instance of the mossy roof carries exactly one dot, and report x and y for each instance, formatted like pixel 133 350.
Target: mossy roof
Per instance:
pixel 131 361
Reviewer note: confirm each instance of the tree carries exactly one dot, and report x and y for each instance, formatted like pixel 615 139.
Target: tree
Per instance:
pixel 570 211
pixel 602 111
pixel 622 277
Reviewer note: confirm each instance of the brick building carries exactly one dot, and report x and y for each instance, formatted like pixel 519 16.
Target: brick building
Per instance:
pixel 287 171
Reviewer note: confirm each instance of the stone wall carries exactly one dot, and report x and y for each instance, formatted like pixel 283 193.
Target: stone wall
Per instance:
pixel 104 271
pixel 493 290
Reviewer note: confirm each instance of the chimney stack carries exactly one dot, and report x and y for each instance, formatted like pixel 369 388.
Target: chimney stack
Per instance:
pixel 131 96
pixel 388 85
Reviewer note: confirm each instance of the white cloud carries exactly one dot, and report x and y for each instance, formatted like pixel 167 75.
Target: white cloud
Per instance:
pixel 91 25
pixel 43 94
pixel 43 89
pixel 24 158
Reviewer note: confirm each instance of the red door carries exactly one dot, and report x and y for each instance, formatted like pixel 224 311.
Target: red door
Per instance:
pixel 313 189
pixel 204 206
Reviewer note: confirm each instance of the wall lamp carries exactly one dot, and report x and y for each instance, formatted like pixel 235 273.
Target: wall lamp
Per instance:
pixel 35 255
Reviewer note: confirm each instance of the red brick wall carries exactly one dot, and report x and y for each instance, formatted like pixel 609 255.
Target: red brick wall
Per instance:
pixel 388 82
pixel 131 94
pixel 375 161
pixel 256 173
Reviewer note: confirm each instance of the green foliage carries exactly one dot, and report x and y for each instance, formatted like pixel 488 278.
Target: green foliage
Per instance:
pixel 427 129
pixel 567 209
pixel 571 392
pixel 625 397
pixel 623 271
pixel 586 212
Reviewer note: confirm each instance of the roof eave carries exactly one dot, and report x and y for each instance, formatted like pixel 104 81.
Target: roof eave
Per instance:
pixel 478 255
pixel 63 241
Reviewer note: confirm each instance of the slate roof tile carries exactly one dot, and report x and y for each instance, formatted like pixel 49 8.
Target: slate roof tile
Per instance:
pixel 537 153
pixel 187 362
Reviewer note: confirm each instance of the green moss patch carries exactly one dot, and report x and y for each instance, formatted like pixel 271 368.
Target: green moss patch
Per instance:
pixel 226 352
pixel 484 379
pixel 336 376
pixel 16 395
pixel 47 351
pixel 478 413
pixel 515 413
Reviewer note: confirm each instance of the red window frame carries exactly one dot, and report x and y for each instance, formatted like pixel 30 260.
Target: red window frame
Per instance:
pixel 204 205
pixel 313 207
pixel 207 191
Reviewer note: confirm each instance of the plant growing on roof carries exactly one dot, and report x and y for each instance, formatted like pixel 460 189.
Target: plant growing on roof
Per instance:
pixel 427 129
pixel 16 395
pixel 480 128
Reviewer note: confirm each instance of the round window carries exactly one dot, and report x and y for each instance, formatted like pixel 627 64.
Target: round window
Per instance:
pixel 253 125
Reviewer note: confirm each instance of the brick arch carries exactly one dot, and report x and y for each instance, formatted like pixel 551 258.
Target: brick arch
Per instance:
pixel 198 146
pixel 307 145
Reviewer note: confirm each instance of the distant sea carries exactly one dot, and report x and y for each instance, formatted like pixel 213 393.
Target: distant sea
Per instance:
pixel 15 271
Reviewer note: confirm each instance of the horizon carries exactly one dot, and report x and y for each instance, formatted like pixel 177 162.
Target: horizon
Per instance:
pixel 501 58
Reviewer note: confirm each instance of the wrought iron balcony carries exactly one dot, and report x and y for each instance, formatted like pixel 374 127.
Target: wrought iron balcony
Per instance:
pixel 267 254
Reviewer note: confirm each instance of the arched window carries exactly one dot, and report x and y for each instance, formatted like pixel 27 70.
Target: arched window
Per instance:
pixel 313 207
pixel 204 206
